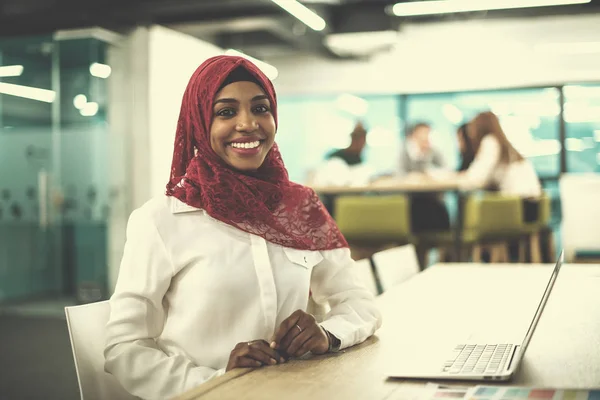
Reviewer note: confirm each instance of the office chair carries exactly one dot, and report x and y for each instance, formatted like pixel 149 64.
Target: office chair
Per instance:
pixel 396 265
pixel 364 272
pixel 87 327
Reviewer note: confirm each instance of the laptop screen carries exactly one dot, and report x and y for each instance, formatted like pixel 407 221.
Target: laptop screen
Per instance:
pixel 540 309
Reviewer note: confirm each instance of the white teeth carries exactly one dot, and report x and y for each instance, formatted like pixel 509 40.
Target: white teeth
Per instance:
pixel 248 145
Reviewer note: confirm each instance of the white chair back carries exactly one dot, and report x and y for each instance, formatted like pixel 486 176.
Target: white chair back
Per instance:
pixel 87 327
pixel 580 196
pixel 396 265
pixel 365 275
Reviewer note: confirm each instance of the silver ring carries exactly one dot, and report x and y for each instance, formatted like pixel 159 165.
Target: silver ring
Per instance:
pixel 300 329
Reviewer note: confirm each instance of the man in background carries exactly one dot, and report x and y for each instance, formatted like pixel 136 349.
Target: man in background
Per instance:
pixel 344 167
pixel 352 154
pixel 418 154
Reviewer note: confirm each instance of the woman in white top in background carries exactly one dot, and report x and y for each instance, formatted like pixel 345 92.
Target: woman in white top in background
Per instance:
pixel 216 274
pixel 498 164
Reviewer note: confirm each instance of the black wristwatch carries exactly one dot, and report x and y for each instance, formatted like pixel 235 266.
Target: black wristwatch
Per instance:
pixel 334 342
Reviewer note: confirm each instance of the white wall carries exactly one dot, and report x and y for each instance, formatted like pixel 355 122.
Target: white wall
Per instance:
pixel 455 56
pixel 127 128
pixel 173 57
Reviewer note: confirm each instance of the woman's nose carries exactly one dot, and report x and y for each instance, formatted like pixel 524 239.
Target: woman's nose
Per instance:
pixel 246 122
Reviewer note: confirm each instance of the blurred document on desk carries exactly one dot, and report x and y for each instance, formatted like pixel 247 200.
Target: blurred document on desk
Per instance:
pixel 429 391
pixel 524 393
pixel 432 391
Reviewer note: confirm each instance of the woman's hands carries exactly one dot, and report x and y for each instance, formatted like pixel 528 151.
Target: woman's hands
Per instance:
pixel 253 354
pixel 298 334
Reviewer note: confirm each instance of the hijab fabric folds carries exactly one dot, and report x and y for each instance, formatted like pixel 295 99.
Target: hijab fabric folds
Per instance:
pixel 265 202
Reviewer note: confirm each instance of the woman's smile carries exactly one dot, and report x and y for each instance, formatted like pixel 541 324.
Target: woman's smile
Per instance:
pixel 246 149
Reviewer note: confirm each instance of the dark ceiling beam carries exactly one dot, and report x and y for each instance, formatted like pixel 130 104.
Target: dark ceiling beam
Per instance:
pixel 304 38
pixel 22 17
pixel 211 10
pixel 363 17
pixel 284 30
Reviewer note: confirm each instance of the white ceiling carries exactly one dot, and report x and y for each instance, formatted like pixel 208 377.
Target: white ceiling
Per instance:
pixel 461 55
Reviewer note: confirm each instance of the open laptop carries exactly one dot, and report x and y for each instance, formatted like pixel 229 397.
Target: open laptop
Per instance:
pixel 481 359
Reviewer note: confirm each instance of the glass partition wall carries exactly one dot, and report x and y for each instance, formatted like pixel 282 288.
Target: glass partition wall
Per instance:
pixel 582 125
pixel 29 235
pixel 55 195
pixel 310 127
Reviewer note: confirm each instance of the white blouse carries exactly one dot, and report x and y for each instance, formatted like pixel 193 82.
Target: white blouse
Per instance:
pixel 516 178
pixel 190 288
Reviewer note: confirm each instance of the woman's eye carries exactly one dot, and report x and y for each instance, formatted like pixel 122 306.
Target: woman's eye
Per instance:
pixel 261 109
pixel 226 112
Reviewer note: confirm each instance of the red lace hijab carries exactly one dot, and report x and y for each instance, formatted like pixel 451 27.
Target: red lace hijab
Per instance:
pixel 265 202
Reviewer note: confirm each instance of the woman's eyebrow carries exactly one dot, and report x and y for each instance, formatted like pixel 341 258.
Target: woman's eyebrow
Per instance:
pixel 232 100
pixel 226 100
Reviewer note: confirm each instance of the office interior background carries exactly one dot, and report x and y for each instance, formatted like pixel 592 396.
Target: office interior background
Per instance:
pixel 90 95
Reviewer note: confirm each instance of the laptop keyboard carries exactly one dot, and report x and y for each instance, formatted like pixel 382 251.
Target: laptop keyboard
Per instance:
pixel 478 359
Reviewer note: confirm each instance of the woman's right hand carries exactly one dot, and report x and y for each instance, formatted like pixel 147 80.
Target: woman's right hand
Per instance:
pixel 253 354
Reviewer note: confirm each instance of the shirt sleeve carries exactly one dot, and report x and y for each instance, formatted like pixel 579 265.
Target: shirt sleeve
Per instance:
pixel 353 316
pixel 480 171
pixel 137 318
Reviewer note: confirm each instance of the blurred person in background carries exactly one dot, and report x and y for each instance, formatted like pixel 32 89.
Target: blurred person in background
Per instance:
pixel 352 155
pixel 343 167
pixel 216 274
pixel 420 157
pixel 498 164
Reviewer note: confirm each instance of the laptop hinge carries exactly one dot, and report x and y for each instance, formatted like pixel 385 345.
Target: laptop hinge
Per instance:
pixel 512 357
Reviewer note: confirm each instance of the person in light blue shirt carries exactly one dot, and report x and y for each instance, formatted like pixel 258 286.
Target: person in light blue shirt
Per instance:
pixel 428 211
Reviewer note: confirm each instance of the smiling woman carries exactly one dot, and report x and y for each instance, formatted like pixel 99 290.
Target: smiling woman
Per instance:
pixel 216 275
pixel 243 128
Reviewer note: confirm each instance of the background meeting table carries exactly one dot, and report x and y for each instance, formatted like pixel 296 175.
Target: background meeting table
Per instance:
pixel 438 304
pixel 409 184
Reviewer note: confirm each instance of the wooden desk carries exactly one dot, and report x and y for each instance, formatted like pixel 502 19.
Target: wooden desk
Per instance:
pixel 410 184
pixel 564 351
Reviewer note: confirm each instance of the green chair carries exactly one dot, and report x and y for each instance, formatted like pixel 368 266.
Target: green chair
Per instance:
pixel 500 222
pixel 490 221
pixel 373 222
